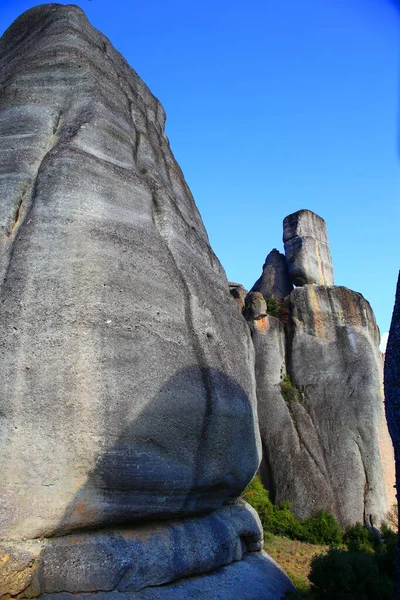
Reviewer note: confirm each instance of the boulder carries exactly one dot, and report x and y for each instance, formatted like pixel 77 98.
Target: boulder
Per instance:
pixel 274 281
pixel 129 391
pixel 238 292
pixel 306 249
pixel 255 306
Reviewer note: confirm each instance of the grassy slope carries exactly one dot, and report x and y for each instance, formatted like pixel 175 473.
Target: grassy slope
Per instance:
pixel 295 558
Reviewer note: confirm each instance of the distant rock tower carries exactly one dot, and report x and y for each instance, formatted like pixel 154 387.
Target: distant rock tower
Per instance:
pixel 306 249
pixel 319 385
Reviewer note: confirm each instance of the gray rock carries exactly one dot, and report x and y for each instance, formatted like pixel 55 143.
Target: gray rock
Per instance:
pixel 238 292
pixel 306 249
pixel 255 306
pixel 256 577
pixel 392 398
pixel 274 281
pixel 131 559
pixel 129 390
pixel 346 458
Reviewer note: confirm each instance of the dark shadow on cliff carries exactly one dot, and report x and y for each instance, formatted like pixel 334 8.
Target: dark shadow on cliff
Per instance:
pixel 173 459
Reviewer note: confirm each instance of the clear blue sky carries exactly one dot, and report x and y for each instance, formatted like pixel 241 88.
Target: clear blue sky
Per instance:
pixel 273 106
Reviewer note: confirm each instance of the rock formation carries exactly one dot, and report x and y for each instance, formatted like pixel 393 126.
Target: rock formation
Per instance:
pixel 392 404
pixel 274 281
pixel 319 390
pixel 238 292
pixel 306 249
pixel 129 392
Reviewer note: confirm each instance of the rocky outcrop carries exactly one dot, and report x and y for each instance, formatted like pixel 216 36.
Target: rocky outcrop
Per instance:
pixel 320 399
pixel 306 249
pixel 274 281
pixel 336 364
pixel 392 402
pixel 129 391
pixel 238 292
pixel 255 306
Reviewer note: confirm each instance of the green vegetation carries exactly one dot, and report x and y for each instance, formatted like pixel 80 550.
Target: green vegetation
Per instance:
pixel 289 392
pixel 348 575
pixel 321 528
pixel 277 309
pixel 323 562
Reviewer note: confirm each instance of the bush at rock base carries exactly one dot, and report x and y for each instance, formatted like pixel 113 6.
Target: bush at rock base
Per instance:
pixel 356 567
pixel 321 528
pixel 349 575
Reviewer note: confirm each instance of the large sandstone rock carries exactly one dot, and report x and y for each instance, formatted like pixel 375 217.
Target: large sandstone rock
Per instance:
pixel 335 363
pixel 320 404
pixel 128 388
pixel 238 292
pixel 274 281
pixel 289 439
pixel 306 249
pixel 392 397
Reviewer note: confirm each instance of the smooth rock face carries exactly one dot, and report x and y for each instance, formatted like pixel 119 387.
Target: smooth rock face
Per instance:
pixel 306 249
pixel 274 281
pixel 129 560
pixel 128 388
pixel 256 577
pixel 238 292
pixel 344 451
pixel 255 306
pixel 392 399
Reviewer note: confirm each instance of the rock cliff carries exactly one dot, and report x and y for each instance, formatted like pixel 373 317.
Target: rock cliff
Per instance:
pixel 319 389
pixel 128 423
pixel 392 401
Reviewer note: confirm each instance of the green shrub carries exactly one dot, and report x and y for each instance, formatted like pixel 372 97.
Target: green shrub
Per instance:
pixel 321 528
pixel 256 495
pixel 358 538
pixel 386 553
pixel 289 392
pixel 272 307
pixel 347 575
pixel 277 309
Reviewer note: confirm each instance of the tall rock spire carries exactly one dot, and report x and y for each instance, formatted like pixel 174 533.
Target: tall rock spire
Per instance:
pixel 129 391
pixel 319 390
pixel 306 249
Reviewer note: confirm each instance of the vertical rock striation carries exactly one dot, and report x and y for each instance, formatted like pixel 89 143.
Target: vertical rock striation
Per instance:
pixel 129 390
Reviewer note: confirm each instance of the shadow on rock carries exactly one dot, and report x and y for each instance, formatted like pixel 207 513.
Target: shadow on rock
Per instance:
pixel 188 451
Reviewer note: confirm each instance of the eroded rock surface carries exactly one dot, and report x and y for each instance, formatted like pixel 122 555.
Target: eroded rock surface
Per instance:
pixel 336 364
pixel 306 249
pixel 392 393
pixel 255 306
pixel 320 396
pixel 238 292
pixel 128 388
pixel 274 281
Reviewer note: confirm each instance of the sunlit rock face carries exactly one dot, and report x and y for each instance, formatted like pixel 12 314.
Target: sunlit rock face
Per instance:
pixel 319 390
pixel 306 249
pixel 128 382
pixel 335 363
